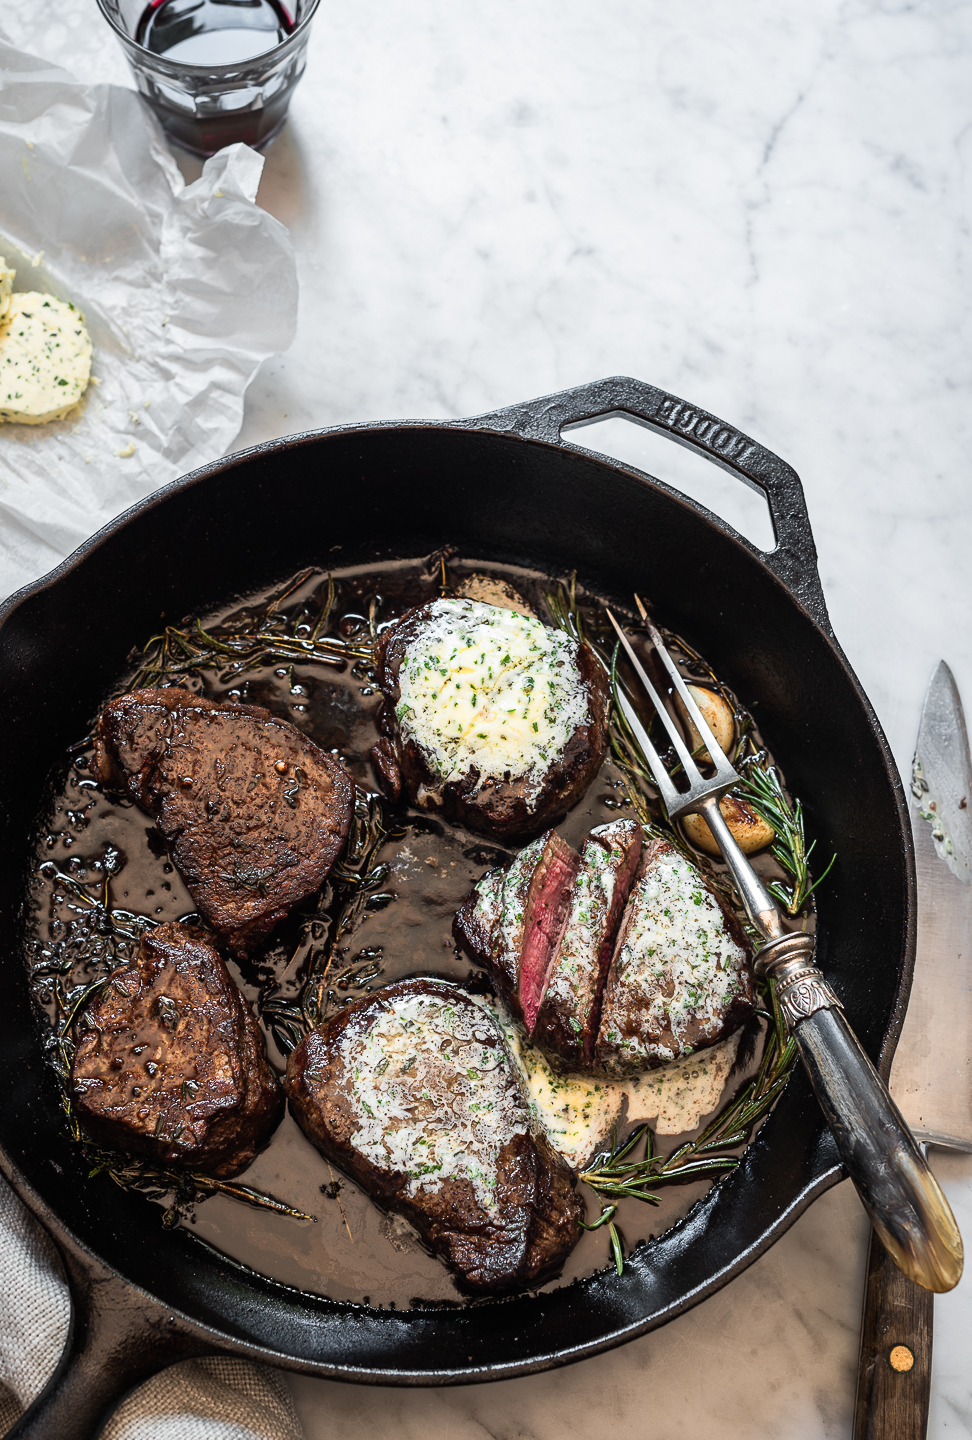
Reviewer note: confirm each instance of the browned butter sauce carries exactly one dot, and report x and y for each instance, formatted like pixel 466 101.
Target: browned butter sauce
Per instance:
pixel 351 1251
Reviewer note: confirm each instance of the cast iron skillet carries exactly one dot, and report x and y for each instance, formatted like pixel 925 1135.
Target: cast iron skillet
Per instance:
pixel 504 487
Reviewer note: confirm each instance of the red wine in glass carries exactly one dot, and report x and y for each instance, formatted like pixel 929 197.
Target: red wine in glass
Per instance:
pixel 215 33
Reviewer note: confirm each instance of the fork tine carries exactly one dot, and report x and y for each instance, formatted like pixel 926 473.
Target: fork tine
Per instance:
pixel 670 796
pixel 691 769
pixel 716 752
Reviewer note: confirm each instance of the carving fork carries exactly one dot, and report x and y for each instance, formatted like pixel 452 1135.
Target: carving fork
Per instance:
pixel 900 1194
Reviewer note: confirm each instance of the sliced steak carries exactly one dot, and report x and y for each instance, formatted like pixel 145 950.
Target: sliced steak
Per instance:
pixel 254 813
pixel 681 976
pixel 412 1092
pixel 491 718
pixel 513 920
pixel 169 1060
pixel 566 1026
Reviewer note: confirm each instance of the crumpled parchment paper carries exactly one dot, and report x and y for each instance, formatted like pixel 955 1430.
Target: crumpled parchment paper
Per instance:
pixel 186 289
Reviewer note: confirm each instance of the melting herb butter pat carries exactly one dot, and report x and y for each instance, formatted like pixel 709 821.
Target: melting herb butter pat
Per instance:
pixel 490 688
pixel 45 357
pixel 580 1114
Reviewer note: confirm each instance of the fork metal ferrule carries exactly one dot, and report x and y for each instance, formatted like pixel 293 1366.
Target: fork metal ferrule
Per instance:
pixel 801 988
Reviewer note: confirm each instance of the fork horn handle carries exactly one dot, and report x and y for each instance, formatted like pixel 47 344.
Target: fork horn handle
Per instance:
pixel 900 1194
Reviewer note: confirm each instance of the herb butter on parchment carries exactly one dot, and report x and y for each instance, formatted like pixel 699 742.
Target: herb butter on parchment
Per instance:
pixel 45 355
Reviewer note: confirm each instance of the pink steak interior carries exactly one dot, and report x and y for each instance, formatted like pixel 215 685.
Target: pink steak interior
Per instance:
pixel 548 906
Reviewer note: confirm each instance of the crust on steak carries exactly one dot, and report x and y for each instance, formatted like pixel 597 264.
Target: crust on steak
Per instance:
pixel 169 1060
pixel 254 813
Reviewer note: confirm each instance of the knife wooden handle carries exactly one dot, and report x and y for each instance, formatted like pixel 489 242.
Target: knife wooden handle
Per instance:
pixel 899 1192
pixel 894 1375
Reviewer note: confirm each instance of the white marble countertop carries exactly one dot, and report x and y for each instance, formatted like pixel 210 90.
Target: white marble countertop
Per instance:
pixel 765 211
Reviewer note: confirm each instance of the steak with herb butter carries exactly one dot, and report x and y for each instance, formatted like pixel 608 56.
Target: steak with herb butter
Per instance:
pixel 412 1093
pixel 513 921
pixel 491 718
pixel 566 1025
pixel 169 1061
pixel 254 813
pixel 680 977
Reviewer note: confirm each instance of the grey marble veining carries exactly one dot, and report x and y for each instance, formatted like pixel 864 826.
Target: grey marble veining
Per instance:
pixel 765 210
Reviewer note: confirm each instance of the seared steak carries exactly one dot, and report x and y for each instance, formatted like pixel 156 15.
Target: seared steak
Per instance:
pixel 566 1026
pixel 254 813
pixel 680 977
pixel 512 922
pixel 411 1091
pixel 603 976
pixel 491 718
pixel 169 1060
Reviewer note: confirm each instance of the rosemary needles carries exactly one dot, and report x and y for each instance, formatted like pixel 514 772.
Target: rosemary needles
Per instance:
pixel 762 789
pixel 274 634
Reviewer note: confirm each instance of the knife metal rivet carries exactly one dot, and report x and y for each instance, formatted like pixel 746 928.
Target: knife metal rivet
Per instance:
pixel 901 1358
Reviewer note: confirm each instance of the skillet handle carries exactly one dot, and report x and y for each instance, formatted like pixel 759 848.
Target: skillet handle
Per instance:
pixel 894 1372
pixel 118 1338
pixel 794 561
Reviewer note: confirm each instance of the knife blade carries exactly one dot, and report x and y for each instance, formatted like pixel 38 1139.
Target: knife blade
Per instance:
pixel 931 1077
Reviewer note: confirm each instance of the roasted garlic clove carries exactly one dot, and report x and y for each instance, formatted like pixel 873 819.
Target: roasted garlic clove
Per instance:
pixel 749 830
pixel 717 713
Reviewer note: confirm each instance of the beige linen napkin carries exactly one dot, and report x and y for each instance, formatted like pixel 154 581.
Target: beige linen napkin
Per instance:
pixel 217 1398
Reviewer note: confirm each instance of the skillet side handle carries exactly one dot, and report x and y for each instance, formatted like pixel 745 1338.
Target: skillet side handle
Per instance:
pixel 894 1371
pixel 794 560
pixel 118 1338
pixel 905 1203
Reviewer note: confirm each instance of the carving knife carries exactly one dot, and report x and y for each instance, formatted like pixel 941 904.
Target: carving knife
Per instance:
pixel 931 1078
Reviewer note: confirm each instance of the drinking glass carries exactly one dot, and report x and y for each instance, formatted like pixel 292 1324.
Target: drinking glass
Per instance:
pixel 204 106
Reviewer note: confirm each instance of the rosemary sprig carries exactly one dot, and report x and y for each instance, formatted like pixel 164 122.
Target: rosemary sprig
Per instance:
pixel 639 1179
pixel 621 1174
pixel 111 919
pixel 762 788
pixel 565 613
pixel 602 1219
pixel 272 635
pixel 186 1188
pixel 564 610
